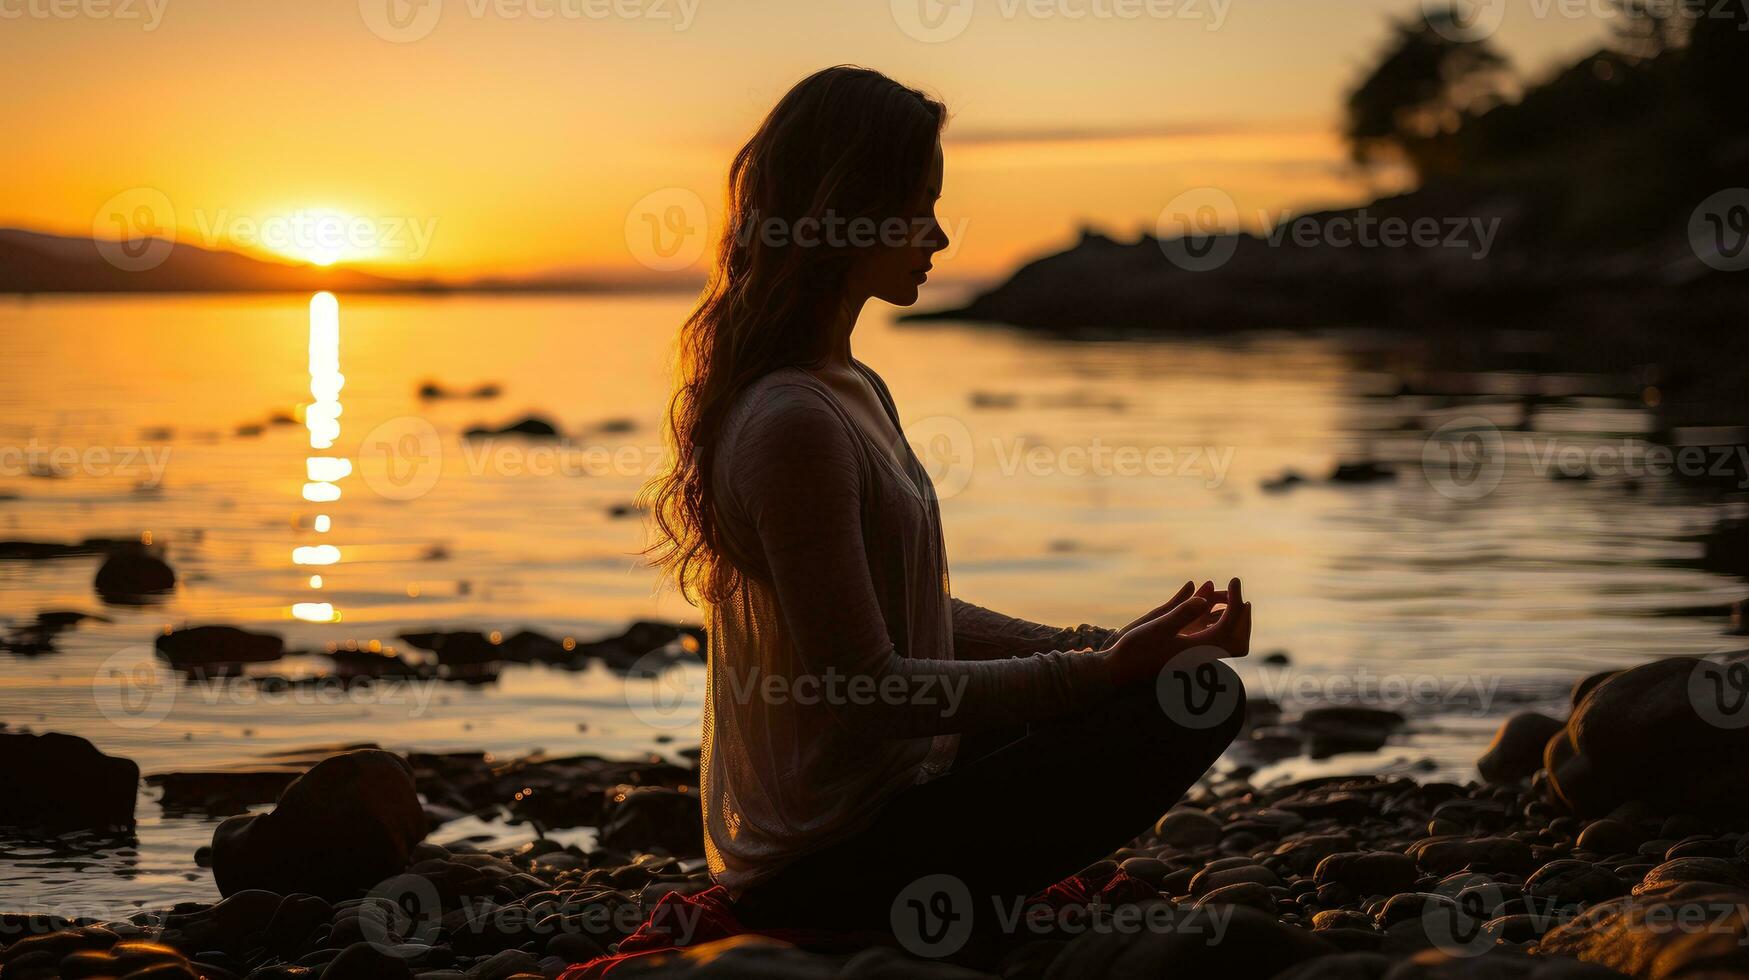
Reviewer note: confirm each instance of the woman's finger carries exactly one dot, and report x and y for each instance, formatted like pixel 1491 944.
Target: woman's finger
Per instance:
pixel 1171 623
pixel 1183 593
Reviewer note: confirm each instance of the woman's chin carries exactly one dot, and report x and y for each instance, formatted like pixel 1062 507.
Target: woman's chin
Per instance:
pixel 904 296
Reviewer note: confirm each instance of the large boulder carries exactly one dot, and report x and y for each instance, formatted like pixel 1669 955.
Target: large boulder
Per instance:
pixel 62 782
pixel 1517 750
pixel 340 828
pixel 1650 733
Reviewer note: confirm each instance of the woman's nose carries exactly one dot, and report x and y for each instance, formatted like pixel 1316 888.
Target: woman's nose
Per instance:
pixel 937 237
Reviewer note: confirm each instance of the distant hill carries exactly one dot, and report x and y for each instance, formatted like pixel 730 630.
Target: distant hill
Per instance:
pixel 34 262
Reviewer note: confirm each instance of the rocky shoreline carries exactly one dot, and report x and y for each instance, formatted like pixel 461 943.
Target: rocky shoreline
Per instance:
pixel 1614 843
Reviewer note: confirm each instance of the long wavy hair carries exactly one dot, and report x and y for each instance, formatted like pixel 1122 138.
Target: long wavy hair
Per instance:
pixel 845 144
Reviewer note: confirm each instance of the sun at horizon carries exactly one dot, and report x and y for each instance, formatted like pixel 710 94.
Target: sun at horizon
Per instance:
pixel 321 236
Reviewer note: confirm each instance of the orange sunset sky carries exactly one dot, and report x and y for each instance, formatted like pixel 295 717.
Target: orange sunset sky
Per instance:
pixel 517 135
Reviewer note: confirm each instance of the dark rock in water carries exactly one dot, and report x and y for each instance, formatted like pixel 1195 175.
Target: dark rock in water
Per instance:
pixel 621 652
pixel 468 648
pixel 62 782
pixel 342 827
pixel 1253 946
pixel 1278 658
pixel 646 817
pixel 130 576
pixel 38 636
pixel 1517 750
pixel 532 426
pixel 463 648
pixel 1336 730
pixel 1685 930
pixel 224 792
pixel 1362 472
pixel 364 663
pixel 1285 482
pixel 50 550
pixel 1656 733
pixel 625 651
pixel 199 647
pixel 1368 872
pixel 432 391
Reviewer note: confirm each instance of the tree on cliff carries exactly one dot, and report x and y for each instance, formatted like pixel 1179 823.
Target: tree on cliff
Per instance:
pixel 1430 77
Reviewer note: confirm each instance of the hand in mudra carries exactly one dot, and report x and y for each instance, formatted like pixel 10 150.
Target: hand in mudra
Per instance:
pixel 1195 624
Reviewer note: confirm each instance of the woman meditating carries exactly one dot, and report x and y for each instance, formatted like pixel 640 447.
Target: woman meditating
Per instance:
pixel 863 728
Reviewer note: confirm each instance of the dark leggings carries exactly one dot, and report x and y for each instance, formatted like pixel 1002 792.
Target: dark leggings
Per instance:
pixel 1007 823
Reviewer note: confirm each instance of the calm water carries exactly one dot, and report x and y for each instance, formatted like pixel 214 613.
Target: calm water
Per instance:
pixel 1083 481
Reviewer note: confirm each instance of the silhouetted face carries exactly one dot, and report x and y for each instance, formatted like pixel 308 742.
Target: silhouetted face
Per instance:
pixel 900 260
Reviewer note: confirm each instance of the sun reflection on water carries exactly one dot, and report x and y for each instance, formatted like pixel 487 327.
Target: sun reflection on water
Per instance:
pixel 322 418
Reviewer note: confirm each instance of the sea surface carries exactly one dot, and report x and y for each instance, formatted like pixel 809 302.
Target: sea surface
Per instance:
pixel 1082 480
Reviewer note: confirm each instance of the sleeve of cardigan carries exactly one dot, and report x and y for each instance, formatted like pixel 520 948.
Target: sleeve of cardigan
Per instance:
pixel 984 634
pixel 796 480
